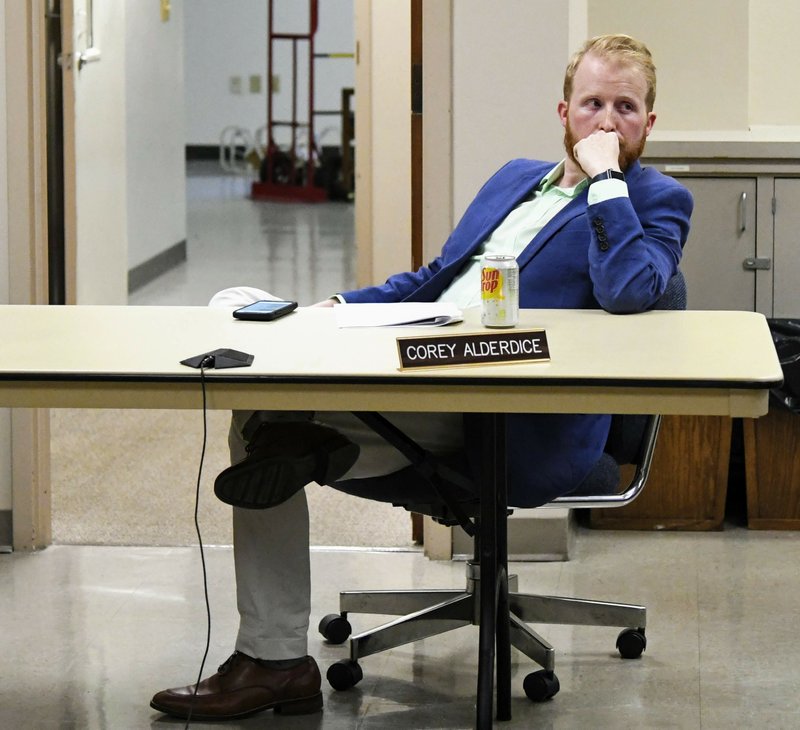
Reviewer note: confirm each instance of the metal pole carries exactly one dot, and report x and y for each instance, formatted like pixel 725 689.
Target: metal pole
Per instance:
pixel 488 582
pixel 270 140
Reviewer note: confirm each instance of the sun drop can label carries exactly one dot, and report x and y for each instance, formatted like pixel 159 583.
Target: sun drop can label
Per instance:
pixel 499 291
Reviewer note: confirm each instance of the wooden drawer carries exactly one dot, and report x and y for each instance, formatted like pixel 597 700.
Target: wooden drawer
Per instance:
pixel 688 481
pixel 772 468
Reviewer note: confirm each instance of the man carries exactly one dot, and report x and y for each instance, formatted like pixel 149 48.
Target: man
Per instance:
pixel 596 230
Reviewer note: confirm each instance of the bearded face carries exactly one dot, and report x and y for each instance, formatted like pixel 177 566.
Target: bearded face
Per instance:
pixel 630 150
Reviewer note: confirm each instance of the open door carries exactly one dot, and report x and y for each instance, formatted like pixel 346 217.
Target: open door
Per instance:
pixel 24 46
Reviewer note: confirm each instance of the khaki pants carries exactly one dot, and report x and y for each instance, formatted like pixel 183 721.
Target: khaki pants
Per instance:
pixel 270 547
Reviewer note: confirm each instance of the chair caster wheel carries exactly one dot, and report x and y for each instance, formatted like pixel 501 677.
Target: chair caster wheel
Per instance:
pixel 344 674
pixel 631 643
pixel 542 685
pixel 335 628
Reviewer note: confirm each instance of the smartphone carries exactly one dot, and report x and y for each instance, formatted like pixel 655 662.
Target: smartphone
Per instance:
pixel 265 310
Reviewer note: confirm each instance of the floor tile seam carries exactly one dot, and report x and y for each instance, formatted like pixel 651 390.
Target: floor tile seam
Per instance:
pixel 698 627
pixel 366 549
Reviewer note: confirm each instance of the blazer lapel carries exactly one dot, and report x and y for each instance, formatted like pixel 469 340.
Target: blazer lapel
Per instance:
pixel 500 204
pixel 483 216
pixel 564 216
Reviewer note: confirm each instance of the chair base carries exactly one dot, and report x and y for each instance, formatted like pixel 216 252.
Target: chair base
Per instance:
pixel 426 613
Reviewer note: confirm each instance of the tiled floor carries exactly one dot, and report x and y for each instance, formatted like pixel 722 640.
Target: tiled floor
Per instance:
pixel 90 633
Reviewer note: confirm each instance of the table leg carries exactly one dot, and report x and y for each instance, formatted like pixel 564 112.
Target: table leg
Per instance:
pixel 493 588
pixel 503 628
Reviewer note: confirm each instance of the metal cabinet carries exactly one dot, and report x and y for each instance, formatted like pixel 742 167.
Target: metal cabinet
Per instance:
pixel 786 248
pixel 720 256
pixel 743 250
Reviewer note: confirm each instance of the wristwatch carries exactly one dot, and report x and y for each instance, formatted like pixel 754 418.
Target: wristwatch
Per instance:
pixel 608 175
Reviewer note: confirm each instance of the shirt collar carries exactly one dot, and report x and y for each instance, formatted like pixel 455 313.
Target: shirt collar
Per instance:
pixel 548 182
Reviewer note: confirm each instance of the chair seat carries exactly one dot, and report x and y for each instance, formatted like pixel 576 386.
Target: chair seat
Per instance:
pixel 404 488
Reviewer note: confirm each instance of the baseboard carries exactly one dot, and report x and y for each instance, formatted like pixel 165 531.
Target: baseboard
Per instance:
pixel 6 531
pixel 154 267
pixel 202 151
pixel 537 535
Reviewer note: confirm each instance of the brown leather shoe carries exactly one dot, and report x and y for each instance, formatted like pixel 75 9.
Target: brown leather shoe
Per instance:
pixel 281 459
pixel 244 686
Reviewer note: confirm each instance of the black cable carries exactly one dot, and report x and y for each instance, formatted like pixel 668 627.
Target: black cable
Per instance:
pixel 203 364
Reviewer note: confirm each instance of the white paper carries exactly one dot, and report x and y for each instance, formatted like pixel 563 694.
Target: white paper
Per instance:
pixel 403 314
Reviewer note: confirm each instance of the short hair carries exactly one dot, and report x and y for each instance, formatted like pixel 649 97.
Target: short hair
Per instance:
pixel 617 47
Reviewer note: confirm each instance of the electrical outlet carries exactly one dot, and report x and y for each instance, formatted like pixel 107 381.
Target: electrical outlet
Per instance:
pixel 235 84
pixel 255 83
pixel 275 83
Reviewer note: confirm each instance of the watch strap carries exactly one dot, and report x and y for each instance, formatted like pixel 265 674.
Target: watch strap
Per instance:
pixel 608 175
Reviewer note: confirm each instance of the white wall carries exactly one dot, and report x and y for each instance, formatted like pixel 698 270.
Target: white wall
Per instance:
pixel 774 71
pixel 100 151
pixel 507 72
pixel 724 65
pixel 701 53
pixel 129 146
pixel 5 415
pixel 225 40
pixel 154 120
pixel 391 138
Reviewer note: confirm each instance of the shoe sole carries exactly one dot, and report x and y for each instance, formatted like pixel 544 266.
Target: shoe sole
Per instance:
pixel 302 706
pixel 263 483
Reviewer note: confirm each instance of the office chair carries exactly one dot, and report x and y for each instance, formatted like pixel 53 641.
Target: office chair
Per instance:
pixel 426 613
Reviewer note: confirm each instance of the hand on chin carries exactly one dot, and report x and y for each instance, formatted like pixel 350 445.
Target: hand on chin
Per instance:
pixel 597 152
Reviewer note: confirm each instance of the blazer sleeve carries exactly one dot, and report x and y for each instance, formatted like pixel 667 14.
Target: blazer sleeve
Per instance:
pixel 396 288
pixel 636 243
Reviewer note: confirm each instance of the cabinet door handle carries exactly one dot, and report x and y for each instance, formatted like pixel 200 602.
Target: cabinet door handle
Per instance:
pixel 742 213
pixel 757 263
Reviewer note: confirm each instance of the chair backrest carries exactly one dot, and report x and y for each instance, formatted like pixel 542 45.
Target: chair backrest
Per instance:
pixel 675 295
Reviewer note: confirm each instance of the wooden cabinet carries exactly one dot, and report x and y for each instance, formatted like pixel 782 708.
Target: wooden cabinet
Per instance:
pixel 772 468
pixel 688 480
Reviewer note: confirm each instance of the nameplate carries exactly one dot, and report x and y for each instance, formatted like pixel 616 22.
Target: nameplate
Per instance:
pixel 482 348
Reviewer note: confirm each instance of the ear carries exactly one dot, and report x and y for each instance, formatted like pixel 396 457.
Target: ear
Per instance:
pixel 651 120
pixel 563 108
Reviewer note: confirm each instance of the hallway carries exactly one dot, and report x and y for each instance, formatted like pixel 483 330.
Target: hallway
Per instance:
pixel 301 251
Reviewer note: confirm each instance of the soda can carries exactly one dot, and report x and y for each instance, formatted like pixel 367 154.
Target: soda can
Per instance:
pixel 499 291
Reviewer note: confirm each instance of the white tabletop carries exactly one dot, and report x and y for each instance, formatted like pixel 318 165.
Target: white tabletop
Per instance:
pixel 716 363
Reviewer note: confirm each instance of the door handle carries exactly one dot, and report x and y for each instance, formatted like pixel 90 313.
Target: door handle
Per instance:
pixel 742 213
pixel 755 263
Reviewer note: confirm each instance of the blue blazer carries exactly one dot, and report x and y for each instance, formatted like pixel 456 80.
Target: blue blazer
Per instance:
pixel 618 254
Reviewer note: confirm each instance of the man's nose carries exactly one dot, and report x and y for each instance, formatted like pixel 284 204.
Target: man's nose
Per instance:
pixel 608 120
